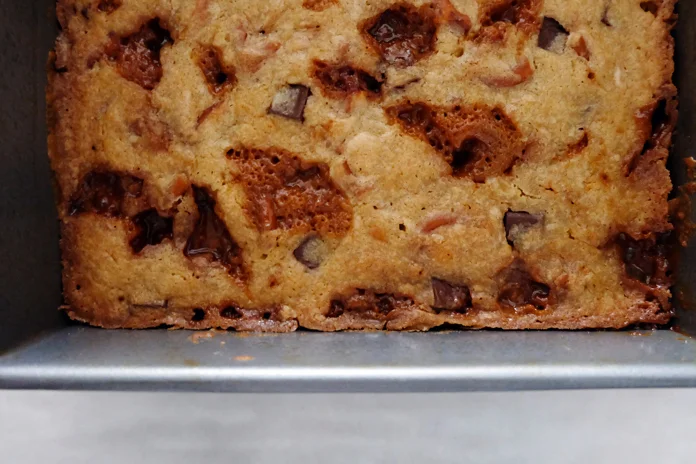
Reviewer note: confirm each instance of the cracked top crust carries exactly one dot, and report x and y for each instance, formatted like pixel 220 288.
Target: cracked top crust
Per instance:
pixel 340 165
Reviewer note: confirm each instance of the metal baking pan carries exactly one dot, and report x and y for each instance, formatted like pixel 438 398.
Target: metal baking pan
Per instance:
pixel 39 348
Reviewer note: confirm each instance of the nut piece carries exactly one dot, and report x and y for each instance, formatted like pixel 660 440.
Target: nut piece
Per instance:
pixel 290 102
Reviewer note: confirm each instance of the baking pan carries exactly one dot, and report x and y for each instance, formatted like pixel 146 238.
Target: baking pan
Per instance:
pixel 39 348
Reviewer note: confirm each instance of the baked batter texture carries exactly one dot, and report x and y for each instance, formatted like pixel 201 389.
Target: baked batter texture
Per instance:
pixel 348 165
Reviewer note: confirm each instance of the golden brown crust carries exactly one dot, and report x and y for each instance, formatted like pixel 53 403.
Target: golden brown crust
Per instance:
pixel 248 165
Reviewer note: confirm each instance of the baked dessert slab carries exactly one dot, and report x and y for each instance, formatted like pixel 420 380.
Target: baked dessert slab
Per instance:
pixel 339 165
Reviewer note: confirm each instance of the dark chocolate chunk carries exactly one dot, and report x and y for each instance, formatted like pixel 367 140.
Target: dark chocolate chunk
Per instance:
pixel 656 121
pixel 520 291
pixel 153 229
pixel 336 309
pixel 103 193
pixel 290 102
pixel 403 34
pixel 519 221
pixel 210 236
pixel 367 304
pixel 231 312
pixel 198 315
pixel 552 36
pixel 108 6
pixel 650 7
pixel 450 297
pixel 310 252
pixel 645 260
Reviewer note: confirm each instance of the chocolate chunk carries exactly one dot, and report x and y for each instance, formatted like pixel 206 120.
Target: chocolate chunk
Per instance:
pixel 137 56
pixel 290 102
pixel 650 7
pixel 230 312
pixel 318 5
pixel 340 81
pixel 153 229
pixel 450 297
pixel 645 260
pixel 662 122
pixel 311 252
pixel 403 34
pixel 519 221
pixel 552 36
pixel 656 122
pixel 520 291
pixel 211 238
pixel 108 6
pixel 198 315
pixel 218 75
pixel 336 309
pixel 103 193
pixel 366 304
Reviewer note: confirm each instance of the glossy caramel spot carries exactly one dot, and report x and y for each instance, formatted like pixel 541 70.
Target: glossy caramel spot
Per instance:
pixel 339 81
pixel 476 141
pixel 520 291
pixel 402 34
pixel 104 192
pixel 152 229
pixel 211 238
pixel 218 75
pixel 137 56
pixel 286 192
pixel 655 122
